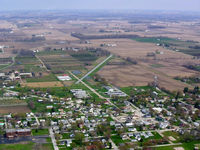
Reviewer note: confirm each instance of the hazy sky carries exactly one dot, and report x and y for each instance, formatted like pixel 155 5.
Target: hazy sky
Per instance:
pixel 188 5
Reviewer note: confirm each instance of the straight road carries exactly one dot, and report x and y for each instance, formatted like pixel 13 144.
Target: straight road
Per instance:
pixel 36 118
pixel 41 62
pixel 94 69
pixel 93 90
pixel 53 139
pixel 114 146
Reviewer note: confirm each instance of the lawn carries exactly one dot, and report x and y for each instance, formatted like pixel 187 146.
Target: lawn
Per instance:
pixel 117 139
pixel 65 135
pixel 36 132
pixel 130 89
pixel 173 134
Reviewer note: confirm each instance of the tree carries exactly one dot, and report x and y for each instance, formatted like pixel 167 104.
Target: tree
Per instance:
pixel 107 134
pixel 185 90
pixel 58 136
pixel 186 137
pixel 31 105
pixel 40 74
pixel 196 90
pixel 177 95
pixel 79 138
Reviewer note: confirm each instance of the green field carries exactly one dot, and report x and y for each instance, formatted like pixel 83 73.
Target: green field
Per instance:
pixel 48 78
pixel 117 139
pixel 154 39
pixel 173 134
pixel 157 65
pixel 27 146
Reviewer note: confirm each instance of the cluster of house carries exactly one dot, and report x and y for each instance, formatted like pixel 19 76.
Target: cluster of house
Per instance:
pixel 12 133
pixel 113 91
pixel 11 76
pixel 27 122
pixel 10 94
pixel 137 136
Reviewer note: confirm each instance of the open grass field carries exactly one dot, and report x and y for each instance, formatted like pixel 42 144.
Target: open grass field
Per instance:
pixel 45 78
pixel 26 146
pixel 169 134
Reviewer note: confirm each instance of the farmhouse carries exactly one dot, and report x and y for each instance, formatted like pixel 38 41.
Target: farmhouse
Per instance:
pixel 25 75
pixel 64 77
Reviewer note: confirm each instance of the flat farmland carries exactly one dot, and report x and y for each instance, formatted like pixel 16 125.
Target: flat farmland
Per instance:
pixel 43 84
pixel 60 61
pixel 166 65
pixel 28 64
pixel 136 75
pixel 14 109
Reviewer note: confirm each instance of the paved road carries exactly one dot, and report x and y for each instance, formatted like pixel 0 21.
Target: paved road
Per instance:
pixel 94 69
pixel 113 145
pixel 36 118
pixel 53 139
pixel 41 62
pixel 174 144
pixel 95 92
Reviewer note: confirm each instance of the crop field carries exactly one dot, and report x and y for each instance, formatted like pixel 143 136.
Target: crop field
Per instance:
pixel 13 101
pixel 43 84
pixel 28 64
pixel 178 49
pixel 136 76
pixel 187 47
pixel 166 64
pixel 44 78
pixel 59 61
pixel 14 109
